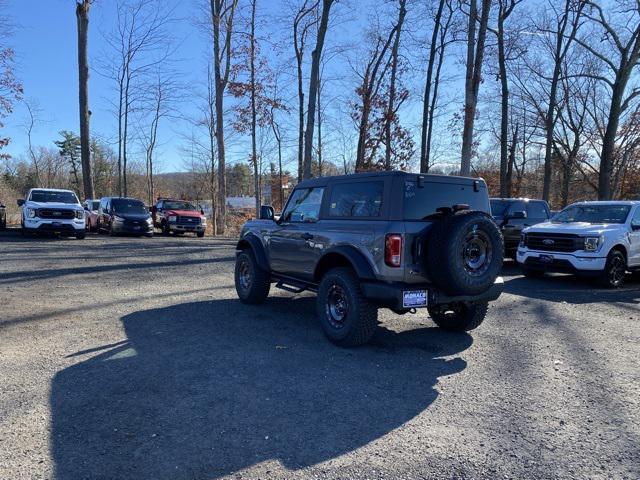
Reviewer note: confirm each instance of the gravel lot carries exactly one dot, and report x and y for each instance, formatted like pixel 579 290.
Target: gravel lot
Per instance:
pixel 132 359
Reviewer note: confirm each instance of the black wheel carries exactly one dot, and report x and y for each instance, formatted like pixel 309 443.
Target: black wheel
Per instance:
pixel 614 270
pixel 149 235
pixel 252 282
pixel 80 236
pixel 532 273
pixel 164 226
pixel 347 318
pixel 459 317
pixel 111 230
pixel 465 252
pixel 200 234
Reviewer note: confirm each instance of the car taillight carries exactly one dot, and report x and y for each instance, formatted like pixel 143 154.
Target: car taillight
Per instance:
pixel 393 249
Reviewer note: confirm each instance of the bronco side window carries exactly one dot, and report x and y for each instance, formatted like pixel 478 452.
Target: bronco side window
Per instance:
pixel 362 199
pixel 304 205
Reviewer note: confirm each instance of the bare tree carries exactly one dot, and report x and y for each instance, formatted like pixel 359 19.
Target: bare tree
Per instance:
pixel 505 8
pixel 222 16
pixel 475 54
pixel 305 18
pixel 618 49
pixel 391 105
pixel 313 86
pixel 82 16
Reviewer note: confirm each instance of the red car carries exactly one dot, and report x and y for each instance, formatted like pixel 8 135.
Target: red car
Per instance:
pixel 91 215
pixel 178 216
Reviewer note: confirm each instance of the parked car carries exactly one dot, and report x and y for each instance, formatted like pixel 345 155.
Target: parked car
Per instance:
pixel 386 239
pixel 91 214
pixel 52 210
pixel 178 216
pixel 513 215
pixel 124 215
pixel 3 216
pixel 599 239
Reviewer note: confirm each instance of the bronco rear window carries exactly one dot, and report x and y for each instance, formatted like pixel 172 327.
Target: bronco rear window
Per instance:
pixel 361 199
pixel 422 202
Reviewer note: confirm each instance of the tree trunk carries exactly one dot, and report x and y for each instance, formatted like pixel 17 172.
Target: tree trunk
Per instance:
pixel 426 118
pixel 319 128
pixel 510 164
pixel 475 54
pixel 504 106
pixel 392 85
pixel 252 66
pixel 313 86
pixel 82 16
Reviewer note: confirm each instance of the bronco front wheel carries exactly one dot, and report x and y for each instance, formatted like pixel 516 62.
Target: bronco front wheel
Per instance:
pixel 252 282
pixel 459 317
pixel 346 316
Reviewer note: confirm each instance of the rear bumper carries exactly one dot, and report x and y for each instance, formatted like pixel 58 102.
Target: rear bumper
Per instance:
pixel 390 295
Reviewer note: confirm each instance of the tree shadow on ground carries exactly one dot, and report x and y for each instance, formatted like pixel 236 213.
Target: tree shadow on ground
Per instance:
pixel 205 389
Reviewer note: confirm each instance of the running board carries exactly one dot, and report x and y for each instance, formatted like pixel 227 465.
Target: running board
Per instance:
pixel 293 285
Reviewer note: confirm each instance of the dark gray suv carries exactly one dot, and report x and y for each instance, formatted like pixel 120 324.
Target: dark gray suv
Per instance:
pixel 385 239
pixel 513 215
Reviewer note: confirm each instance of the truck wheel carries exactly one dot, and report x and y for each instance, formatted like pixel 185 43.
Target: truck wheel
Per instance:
pixel 459 317
pixel 252 282
pixel 613 274
pixel 347 318
pixel 80 236
pixel 164 226
pixel 200 234
pixel 532 273
pixel 465 252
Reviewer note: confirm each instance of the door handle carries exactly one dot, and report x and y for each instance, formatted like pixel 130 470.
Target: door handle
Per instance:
pixel 307 236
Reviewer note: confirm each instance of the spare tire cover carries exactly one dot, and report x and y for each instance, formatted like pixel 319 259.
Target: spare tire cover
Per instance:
pixel 464 253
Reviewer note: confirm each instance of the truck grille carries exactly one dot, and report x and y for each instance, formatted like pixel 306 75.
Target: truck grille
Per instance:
pixel 554 242
pixel 184 220
pixel 55 213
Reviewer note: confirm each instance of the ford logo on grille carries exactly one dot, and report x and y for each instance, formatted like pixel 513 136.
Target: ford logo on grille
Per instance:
pixel 548 242
pixel 57 214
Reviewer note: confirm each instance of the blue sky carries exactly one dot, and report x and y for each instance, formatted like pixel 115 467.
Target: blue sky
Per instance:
pixel 45 44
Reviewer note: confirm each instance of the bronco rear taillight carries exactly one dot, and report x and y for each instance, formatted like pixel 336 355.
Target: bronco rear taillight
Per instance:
pixel 393 249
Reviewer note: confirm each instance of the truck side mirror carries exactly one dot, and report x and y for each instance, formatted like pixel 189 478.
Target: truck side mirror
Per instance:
pixel 267 212
pixel 520 215
pixel 154 209
pixel 20 202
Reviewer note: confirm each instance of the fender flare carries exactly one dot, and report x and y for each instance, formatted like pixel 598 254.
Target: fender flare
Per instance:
pixel 358 261
pixel 251 241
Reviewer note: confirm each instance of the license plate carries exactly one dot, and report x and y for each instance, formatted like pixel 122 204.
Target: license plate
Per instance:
pixel 136 228
pixel 414 298
pixel 546 258
pixel 56 224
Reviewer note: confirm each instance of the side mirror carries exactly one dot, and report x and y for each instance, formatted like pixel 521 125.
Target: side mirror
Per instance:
pixel 635 227
pixel 520 215
pixel 2 205
pixel 202 211
pixel 20 202
pixel 267 212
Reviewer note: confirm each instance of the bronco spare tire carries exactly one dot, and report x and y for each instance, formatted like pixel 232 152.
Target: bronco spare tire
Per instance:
pixel 464 252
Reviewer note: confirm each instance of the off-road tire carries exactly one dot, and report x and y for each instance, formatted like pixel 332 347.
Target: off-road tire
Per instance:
pixel 361 316
pixel 532 272
pixel 257 289
pixel 467 317
pixel 453 244
pixel 610 279
pixel 200 234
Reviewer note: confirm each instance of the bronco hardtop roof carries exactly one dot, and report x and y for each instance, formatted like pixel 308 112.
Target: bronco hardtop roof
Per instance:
pixel 323 181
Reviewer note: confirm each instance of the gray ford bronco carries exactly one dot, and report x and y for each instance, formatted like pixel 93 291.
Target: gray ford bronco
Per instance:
pixel 396 240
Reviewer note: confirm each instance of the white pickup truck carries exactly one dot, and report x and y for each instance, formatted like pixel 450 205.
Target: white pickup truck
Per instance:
pixel 599 239
pixel 54 211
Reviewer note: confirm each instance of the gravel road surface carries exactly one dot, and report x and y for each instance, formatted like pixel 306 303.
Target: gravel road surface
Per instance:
pixel 127 358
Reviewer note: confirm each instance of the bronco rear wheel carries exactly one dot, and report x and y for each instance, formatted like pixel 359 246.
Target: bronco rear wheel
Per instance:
pixel 252 282
pixel 459 317
pixel 346 316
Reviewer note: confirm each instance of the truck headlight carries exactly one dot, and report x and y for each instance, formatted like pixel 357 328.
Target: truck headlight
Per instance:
pixel 118 219
pixel 31 212
pixel 149 220
pixel 203 221
pixel 79 214
pixel 173 218
pixel 591 244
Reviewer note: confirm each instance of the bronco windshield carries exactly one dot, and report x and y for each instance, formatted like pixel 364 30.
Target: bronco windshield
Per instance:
pixel 593 214
pixel 48 196
pixel 126 206
pixel 174 205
